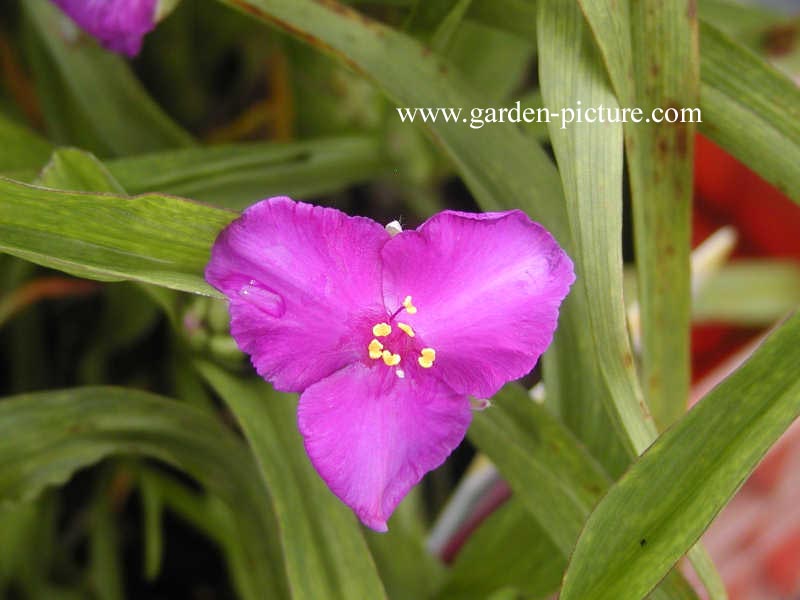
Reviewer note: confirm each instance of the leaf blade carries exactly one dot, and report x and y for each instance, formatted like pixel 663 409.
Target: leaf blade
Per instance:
pixel 688 475
pixel 326 555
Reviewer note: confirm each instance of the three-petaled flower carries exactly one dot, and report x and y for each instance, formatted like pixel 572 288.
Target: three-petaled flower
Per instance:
pixel 387 337
pixel 119 25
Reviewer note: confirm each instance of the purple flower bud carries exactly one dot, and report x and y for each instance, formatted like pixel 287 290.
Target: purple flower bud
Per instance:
pixel 119 25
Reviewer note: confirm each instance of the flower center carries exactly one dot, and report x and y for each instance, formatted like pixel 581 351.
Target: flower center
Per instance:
pixel 378 350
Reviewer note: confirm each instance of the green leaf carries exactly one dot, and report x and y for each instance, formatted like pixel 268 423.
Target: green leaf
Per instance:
pixel 666 71
pixel 590 161
pixel 20 148
pixel 548 470
pixel 152 238
pixel 503 167
pixel 508 550
pixel 751 110
pixel 325 554
pixel 89 96
pixel 514 16
pixel 744 22
pixel 206 513
pixel 528 445
pixel 152 528
pixel 447 28
pixel 407 569
pixel 72 169
pixel 749 293
pixel 237 175
pixel 651 54
pixel 104 574
pixel 687 476
pixel 650 50
pixel 46 437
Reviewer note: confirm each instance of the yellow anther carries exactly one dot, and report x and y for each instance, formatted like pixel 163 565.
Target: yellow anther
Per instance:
pixel 375 348
pixel 381 330
pixel 407 329
pixel 410 308
pixel 426 358
pixel 390 359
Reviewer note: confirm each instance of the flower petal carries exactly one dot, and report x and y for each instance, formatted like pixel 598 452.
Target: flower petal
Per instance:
pixel 304 288
pixel 372 435
pixel 487 289
pixel 119 25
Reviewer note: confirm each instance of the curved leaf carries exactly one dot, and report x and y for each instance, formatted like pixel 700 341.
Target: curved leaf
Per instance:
pixel 46 437
pixel 751 109
pixel 549 472
pixel 687 476
pixel 237 175
pixel 325 552
pixel 152 238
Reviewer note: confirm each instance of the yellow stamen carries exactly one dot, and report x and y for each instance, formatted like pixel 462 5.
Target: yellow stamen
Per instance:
pixel 375 348
pixel 381 330
pixel 410 308
pixel 407 329
pixel 390 359
pixel 426 358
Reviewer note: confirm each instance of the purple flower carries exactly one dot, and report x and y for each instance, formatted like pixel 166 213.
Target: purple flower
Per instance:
pixel 119 25
pixel 387 337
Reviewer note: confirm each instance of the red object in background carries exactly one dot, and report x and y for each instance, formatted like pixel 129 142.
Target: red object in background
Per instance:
pixel 768 224
pixel 727 192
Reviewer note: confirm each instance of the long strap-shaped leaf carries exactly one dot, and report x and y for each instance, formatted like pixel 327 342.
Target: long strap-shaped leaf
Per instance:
pixel 237 175
pixel 154 238
pixel 751 110
pixel 326 555
pixel 650 49
pixel 687 476
pixel 590 162
pixel 549 471
pixel 46 437
pixel 748 107
pixel 651 55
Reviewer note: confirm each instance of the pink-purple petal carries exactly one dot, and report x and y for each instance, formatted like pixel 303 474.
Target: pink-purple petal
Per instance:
pixel 372 435
pixel 303 284
pixel 119 25
pixel 487 288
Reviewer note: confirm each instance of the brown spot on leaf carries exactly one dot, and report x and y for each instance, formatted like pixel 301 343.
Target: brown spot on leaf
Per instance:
pixel 681 140
pixel 627 360
pixel 780 40
pixel 663 146
pixel 655 70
